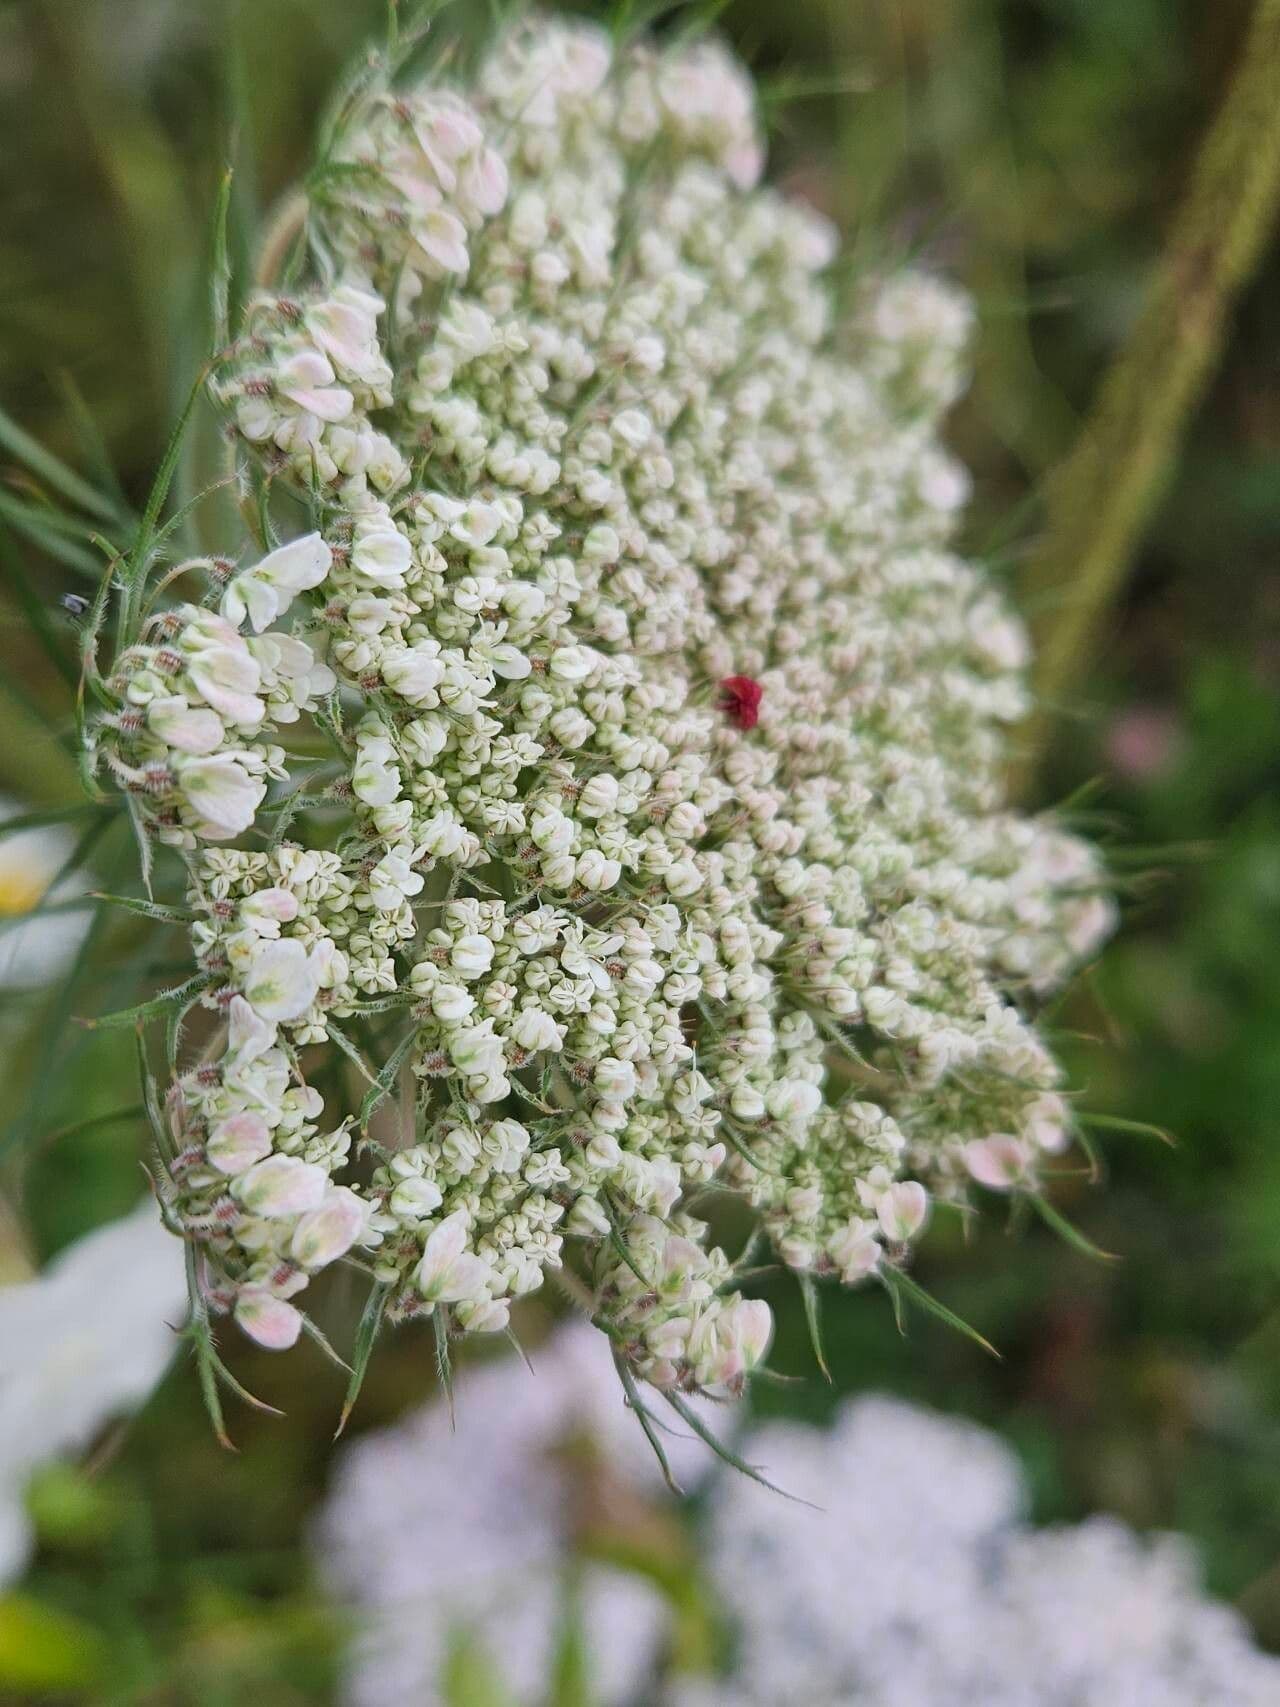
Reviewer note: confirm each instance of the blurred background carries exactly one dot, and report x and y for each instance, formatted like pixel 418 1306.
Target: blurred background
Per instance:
pixel 1034 149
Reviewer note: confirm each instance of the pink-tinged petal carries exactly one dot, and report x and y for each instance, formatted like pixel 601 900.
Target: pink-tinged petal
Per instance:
pixel 999 1162
pixel 281 1185
pixel 237 1142
pixel 248 1036
pixel 326 1233
pixel 753 1322
pixel 267 1319
pixel 902 1209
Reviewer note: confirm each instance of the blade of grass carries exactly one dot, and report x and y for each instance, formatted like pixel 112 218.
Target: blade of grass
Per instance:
pixel 53 472
pixel 93 447
pixel 139 559
pixel 53 641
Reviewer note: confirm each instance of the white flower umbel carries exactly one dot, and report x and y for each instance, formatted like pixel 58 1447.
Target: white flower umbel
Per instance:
pixel 83 1342
pixel 912 1579
pixel 917 1585
pixel 641 734
pixel 433 1534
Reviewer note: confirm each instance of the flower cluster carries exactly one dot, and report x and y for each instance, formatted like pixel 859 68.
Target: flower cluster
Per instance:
pixel 503 1499
pixel 912 1581
pixel 656 736
pixel 917 1583
pixel 195 696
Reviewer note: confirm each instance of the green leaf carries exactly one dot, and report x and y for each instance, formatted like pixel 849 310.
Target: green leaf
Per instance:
pixel 93 447
pixel 150 1009
pixel 444 1363
pixel 350 1050
pixel 142 838
pixel 1115 1123
pixel 210 1367
pixel 813 1318
pixel 386 1078
pixel 469 1678
pixel 619 1243
pixel 314 1332
pixel 48 1036
pixel 690 1417
pixel 739 1144
pixel 789 87
pixel 55 536
pixel 200 1334
pixel 902 1287
pixel 151 1106
pixel 1068 1233
pixel 134 1111
pixel 53 639
pixel 51 815
pixel 148 909
pixel 140 552
pixel 366 1338
pixel 45 1650
pixel 645 1418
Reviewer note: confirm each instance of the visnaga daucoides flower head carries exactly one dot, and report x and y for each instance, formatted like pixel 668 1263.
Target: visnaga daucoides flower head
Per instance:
pixel 656 846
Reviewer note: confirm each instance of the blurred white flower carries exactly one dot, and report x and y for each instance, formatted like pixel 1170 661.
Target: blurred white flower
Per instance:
pixel 36 947
pixel 83 1342
pixel 912 1579
pixel 429 1533
pixel 917 1585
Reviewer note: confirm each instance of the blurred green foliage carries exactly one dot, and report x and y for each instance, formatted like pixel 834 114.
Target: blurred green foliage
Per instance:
pixel 1033 147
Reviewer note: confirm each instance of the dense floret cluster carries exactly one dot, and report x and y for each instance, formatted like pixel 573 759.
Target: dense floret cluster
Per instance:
pixel 614 769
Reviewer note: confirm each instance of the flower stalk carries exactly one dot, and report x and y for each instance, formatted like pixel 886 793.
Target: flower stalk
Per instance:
pixel 1101 499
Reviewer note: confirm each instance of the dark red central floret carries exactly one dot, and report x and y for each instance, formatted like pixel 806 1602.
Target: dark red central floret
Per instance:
pixel 740 697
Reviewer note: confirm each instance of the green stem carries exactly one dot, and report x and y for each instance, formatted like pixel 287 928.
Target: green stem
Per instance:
pixel 286 222
pixel 1101 498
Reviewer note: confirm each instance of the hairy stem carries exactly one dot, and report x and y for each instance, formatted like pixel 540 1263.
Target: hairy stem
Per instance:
pixel 1099 501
